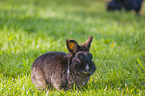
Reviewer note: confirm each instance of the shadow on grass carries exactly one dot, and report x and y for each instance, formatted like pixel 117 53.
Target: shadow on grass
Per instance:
pixel 54 26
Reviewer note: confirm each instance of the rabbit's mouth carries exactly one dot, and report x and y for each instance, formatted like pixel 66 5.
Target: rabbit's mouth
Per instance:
pixel 84 74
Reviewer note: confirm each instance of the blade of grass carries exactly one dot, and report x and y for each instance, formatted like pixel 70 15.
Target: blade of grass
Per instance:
pixel 141 64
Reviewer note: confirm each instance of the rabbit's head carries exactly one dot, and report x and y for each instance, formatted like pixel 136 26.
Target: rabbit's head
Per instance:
pixel 81 62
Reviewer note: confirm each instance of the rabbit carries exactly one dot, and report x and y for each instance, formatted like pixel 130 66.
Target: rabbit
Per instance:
pixel 126 4
pixel 61 71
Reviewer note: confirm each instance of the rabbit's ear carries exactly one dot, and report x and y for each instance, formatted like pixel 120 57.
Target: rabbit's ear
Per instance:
pixel 72 46
pixel 88 42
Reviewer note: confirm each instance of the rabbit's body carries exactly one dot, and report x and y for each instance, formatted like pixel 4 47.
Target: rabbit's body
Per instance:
pixel 61 71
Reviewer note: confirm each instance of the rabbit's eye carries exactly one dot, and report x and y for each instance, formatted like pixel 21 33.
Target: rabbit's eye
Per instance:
pixel 90 56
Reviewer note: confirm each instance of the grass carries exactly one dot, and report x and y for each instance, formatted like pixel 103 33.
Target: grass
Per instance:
pixel 31 28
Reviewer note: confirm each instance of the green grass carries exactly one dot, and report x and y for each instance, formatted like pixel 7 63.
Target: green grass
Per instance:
pixel 30 28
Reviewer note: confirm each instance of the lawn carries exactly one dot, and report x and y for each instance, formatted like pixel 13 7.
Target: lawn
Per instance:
pixel 30 28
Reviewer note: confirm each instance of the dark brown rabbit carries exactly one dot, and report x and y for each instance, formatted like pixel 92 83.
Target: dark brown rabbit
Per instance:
pixel 62 71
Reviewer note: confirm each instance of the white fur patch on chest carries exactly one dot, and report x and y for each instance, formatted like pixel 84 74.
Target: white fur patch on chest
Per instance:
pixel 87 67
pixel 84 83
pixel 68 71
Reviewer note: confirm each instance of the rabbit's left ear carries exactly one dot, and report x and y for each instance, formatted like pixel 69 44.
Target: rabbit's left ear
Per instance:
pixel 88 42
pixel 72 46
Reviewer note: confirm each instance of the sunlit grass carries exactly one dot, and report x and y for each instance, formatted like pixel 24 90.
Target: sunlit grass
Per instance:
pixel 31 28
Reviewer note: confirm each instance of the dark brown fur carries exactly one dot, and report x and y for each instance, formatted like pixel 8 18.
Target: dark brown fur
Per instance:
pixel 60 70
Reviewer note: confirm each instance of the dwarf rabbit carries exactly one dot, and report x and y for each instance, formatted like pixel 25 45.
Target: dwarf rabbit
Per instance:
pixel 62 71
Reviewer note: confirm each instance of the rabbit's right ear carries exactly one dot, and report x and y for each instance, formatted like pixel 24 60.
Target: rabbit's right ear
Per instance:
pixel 72 46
